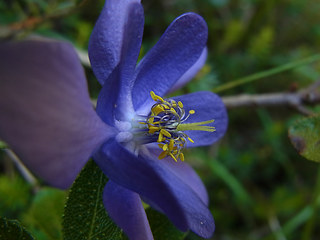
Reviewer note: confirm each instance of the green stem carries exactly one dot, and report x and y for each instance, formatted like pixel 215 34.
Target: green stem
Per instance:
pixel 303 216
pixel 299 219
pixel 267 73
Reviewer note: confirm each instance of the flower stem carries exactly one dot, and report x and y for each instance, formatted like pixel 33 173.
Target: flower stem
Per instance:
pixel 267 73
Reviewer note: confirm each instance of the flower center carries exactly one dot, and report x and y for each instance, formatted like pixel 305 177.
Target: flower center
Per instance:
pixel 165 125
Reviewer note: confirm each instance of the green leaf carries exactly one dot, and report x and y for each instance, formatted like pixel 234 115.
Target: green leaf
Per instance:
pixel 261 44
pixel 162 228
pixel 233 32
pixel 305 137
pixel 3 145
pixel 85 216
pixel 12 230
pixel 17 193
pixel 44 216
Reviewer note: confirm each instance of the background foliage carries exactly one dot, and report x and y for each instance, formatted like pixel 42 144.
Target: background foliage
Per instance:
pixel 259 187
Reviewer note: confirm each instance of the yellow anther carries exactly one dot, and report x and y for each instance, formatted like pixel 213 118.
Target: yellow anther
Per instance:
pixel 165 133
pixel 174 158
pixel 160 138
pixel 163 155
pixel 166 106
pixel 153 129
pixel 150 120
pixel 192 112
pixel 160 145
pixel 173 110
pixel 157 109
pixel 180 104
pixel 156 97
pixel 181 156
pixel 153 95
pixel 165 147
pixel 171 144
pixel 190 140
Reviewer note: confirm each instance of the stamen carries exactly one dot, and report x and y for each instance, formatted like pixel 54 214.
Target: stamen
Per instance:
pixel 165 133
pixel 171 144
pixel 160 138
pixel 190 140
pixel 162 155
pixel 153 129
pixel 174 158
pixel 156 97
pixel 165 126
pixel 158 109
pixel 165 147
pixel 196 126
pixel 181 156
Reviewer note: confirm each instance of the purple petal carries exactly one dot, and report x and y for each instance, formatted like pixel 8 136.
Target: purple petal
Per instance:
pixel 129 55
pixel 207 106
pixel 154 181
pixel 108 96
pixel 108 108
pixel 190 74
pixel 107 38
pixel 126 210
pixel 177 51
pixel 117 89
pixel 188 176
pixel 46 114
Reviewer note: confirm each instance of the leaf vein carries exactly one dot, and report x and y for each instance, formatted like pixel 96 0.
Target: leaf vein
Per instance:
pixel 91 235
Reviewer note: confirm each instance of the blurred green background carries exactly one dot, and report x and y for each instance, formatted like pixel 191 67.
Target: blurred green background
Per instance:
pixel 259 187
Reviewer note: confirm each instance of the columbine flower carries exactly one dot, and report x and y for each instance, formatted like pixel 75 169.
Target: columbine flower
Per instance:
pixel 47 118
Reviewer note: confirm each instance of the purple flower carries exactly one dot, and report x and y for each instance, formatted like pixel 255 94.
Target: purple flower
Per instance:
pixel 47 118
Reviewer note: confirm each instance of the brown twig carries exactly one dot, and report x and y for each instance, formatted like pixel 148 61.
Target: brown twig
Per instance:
pixel 15 29
pixel 297 100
